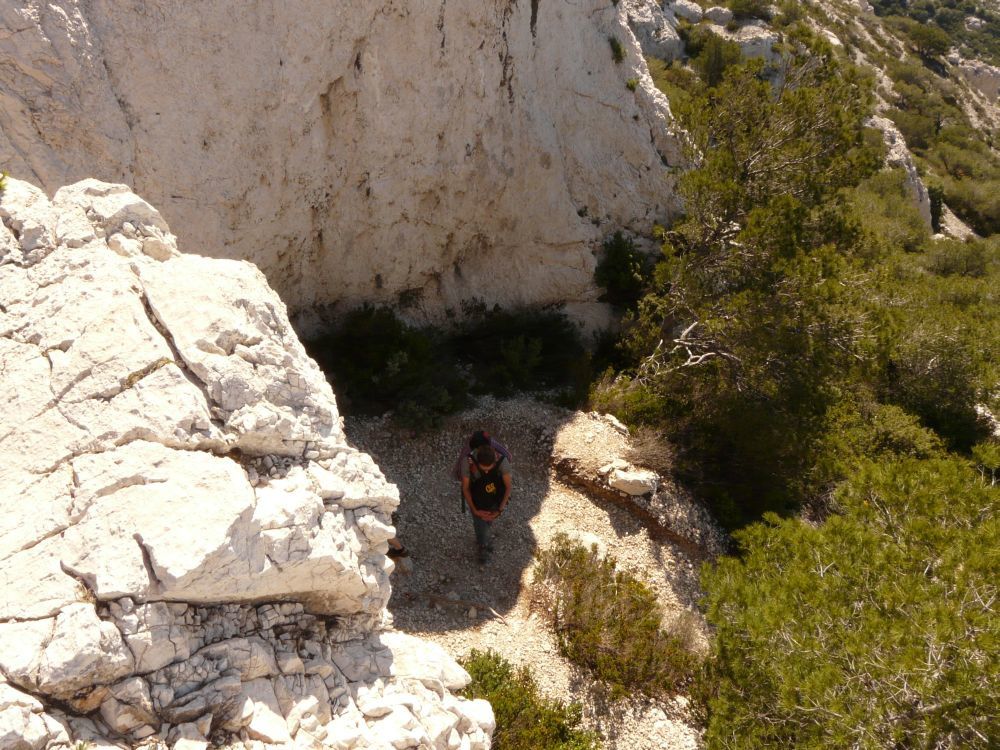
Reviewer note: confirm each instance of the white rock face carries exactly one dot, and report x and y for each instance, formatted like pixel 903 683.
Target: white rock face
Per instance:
pixel 191 545
pixel 983 77
pixel 899 156
pixel 352 151
pixel 653 30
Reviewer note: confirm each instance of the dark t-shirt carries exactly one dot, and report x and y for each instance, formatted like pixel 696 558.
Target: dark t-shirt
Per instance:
pixel 487 488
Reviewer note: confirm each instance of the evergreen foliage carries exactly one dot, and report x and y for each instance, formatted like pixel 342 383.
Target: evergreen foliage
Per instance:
pixel 621 271
pixel 747 329
pixel 750 8
pixel 377 362
pixel 525 719
pixel 609 622
pixel 805 341
pixel 876 629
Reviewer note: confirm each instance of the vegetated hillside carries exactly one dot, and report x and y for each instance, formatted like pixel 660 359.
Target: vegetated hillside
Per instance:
pixel 825 368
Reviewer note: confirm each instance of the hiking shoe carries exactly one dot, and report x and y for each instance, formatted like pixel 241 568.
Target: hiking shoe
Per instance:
pixel 395 553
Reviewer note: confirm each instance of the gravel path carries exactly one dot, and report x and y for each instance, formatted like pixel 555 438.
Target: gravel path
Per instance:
pixel 442 594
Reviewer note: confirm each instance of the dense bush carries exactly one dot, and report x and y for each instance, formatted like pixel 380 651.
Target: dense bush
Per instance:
pixel 750 8
pixel 805 340
pixel 622 271
pixel 522 350
pixel 610 622
pixel 875 629
pixel 377 362
pixel 746 330
pixel 715 54
pixel 525 719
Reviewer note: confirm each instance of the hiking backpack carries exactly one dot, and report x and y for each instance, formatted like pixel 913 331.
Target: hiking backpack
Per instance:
pixel 480 437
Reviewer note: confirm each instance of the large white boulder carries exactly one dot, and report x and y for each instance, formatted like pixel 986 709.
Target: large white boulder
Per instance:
pixel 719 15
pixel 189 540
pixel 352 151
pixel 685 9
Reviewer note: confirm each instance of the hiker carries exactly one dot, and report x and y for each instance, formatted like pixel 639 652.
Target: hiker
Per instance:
pixel 396 548
pixel 486 485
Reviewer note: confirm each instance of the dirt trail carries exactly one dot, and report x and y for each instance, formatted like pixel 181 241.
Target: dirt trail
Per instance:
pixel 450 599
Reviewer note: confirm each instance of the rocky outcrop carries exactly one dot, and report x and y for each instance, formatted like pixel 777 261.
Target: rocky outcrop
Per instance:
pixel 191 548
pixel 983 77
pixel 353 151
pixel 898 156
pixel 596 452
pixel 653 29
pixel 755 39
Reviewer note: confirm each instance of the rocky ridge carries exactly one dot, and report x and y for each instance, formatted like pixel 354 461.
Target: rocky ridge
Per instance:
pixel 193 551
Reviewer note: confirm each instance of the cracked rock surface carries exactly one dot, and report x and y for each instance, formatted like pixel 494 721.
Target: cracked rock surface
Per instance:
pixel 192 551
pixel 376 148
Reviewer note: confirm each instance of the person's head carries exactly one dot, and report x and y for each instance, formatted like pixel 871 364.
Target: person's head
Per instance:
pixel 485 455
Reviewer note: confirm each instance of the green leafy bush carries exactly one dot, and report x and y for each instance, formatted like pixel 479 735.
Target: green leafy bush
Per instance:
pixel 955 258
pixel 632 84
pixel 750 8
pixel 622 271
pixel 609 622
pixel 525 719
pixel 3 179
pixel 376 362
pixel 714 56
pixel 875 629
pixel 522 350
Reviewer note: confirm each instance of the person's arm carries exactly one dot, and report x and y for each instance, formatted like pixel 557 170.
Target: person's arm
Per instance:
pixel 506 493
pixel 467 494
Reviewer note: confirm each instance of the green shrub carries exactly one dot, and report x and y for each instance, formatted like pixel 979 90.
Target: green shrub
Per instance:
pixel 377 362
pixel 609 622
pixel 525 719
pixel 875 629
pixel 632 84
pixel 714 57
pixel 3 179
pixel 750 8
pixel 933 372
pixel 955 258
pixel 622 271
pixel 522 350
pixel 884 209
pixel 975 201
pixel 617 50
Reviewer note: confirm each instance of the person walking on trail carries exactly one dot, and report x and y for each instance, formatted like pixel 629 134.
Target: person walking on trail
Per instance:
pixel 486 485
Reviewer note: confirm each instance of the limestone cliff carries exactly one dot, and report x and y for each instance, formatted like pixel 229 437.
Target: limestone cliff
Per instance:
pixel 450 149
pixel 190 549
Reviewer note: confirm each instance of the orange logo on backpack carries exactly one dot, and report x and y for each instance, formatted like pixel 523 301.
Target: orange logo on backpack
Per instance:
pixel 491 488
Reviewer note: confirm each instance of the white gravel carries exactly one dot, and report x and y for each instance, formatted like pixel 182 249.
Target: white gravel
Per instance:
pixel 442 564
